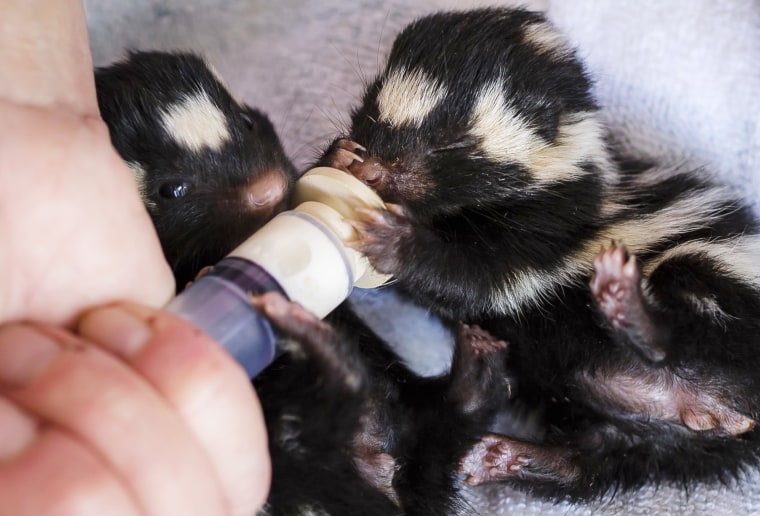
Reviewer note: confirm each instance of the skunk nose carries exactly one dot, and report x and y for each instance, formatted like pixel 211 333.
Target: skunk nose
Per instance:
pixel 371 171
pixel 266 190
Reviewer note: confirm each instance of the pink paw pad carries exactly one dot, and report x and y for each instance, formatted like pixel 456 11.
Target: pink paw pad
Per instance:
pixel 615 282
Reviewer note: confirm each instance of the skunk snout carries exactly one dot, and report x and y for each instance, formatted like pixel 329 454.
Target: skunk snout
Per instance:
pixel 266 191
pixel 371 171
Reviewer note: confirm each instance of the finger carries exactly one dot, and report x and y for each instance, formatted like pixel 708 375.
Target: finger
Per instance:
pixel 103 404
pixel 56 474
pixel 75 481
pixel 51 145
pixel 17 430
pixel 206 387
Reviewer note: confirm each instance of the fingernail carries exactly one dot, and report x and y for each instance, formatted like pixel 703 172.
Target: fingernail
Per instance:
pixel 24 353
pixel 17 430
pixel 117 329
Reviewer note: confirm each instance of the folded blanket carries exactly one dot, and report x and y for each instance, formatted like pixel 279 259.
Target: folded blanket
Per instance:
pixel 678 81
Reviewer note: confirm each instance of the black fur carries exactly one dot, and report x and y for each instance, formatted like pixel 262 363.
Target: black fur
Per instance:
pixel 353 431
pixel 200 200
pixel 511 242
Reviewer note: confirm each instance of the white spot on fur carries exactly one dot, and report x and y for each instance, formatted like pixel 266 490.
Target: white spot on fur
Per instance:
pixel 655 175
pixel 545 39
pixel 197 123
pixel 738 257
pixel 406 98
pixel 525 288
pixel 505 136
pixel 139 173
pixel 644 232
pixel 639 234
pixel 580 140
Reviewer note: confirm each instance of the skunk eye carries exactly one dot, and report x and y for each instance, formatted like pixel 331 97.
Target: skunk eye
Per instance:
pixel 173 190
pixel 247 120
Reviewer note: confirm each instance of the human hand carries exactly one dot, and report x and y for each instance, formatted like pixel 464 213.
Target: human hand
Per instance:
pixel 136 412
pixel 73 231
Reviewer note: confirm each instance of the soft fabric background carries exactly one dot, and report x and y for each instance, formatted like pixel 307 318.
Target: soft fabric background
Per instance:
pixel 678 80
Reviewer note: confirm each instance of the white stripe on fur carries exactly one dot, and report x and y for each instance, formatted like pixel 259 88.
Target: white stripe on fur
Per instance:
pixel 531 287
pixel 196 123
pixel 406 98
pixel 505 136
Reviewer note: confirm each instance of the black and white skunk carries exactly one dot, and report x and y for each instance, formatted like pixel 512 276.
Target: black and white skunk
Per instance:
pixel 210 170
pixel 351 429
pixel 629 293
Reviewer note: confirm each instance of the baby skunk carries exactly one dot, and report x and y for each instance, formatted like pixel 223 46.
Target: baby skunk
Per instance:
pixel 353 431
pixel 210 170
pixel 483 130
